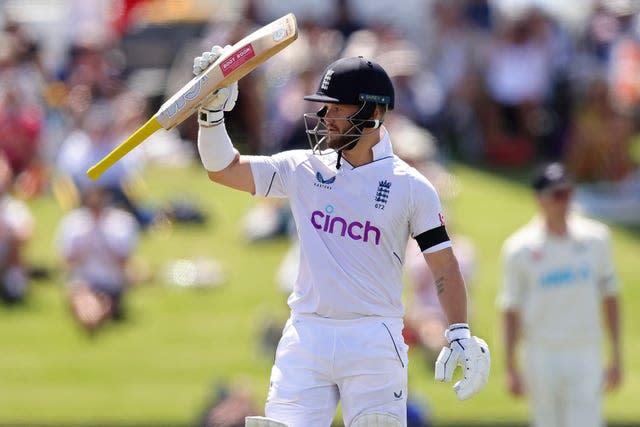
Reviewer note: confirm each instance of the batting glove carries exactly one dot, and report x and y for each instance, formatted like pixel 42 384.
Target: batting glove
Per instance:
pixel 469 352
pixel 211 112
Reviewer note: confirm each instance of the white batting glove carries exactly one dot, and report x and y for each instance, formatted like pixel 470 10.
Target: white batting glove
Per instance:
pixel 211 112
pixel 471 353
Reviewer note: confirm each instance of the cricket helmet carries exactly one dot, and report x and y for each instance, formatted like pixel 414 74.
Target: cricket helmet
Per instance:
pixel 353 81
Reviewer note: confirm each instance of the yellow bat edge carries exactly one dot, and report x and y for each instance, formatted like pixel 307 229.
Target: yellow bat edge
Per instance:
pixel 121 150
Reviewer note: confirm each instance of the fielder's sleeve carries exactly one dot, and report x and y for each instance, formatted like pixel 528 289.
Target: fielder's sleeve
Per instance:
pixel 427 224
pixel 607 278
pixel 513 278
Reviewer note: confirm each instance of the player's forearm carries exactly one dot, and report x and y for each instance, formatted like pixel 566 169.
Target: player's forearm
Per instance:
pixel 452 294
pixel 511 327
pixel 222 161
pixel 612 319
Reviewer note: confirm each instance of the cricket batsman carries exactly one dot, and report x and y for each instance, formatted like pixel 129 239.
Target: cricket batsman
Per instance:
pixel 355 204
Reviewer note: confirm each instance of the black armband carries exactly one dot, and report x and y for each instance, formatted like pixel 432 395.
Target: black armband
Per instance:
pixel 432 237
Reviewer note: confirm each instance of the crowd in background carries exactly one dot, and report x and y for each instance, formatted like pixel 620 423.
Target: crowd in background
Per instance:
pixel 491 87
pixel 473 83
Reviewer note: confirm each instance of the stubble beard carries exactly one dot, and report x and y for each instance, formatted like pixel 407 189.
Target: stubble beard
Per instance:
pixel 344 142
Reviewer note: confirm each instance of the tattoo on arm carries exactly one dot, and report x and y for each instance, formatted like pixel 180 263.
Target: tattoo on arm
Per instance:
pixel 440 285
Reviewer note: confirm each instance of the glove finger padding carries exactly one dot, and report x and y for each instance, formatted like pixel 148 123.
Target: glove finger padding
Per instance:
pixel 446 363
pixel 474 357
pixel 202 62
pixel 477 363
pixel 223 99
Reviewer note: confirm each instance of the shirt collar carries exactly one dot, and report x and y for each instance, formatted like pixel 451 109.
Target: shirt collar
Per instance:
pixel 383 148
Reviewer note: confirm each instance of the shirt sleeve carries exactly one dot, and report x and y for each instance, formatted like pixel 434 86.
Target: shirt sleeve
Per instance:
pixel 427 213
pixel 272 174
pixel 607 278
pixel 510 295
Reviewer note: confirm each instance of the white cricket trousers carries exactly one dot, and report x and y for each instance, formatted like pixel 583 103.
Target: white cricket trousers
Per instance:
pixel 565 386
pixel 361 362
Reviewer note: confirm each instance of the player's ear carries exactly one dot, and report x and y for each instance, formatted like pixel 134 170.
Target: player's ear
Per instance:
pixel 380 112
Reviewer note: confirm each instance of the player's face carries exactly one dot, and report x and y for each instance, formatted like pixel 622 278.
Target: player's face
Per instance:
pixel 557 201
pixel 340 129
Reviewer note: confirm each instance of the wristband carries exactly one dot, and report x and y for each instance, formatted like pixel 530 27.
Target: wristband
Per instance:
pixel 457 331
pixel 209 118
pixel 215 148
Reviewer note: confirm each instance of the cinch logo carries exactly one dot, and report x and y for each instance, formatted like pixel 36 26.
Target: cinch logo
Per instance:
pixel 337 225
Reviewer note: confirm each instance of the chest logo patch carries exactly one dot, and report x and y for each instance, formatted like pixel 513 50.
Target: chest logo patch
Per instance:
pixel 321 179
pixel 382 194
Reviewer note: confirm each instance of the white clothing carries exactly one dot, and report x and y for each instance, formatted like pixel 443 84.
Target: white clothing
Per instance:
pixel 319 361
pixel 16 217
pixel 344 339
pixel 104 241
pixel 519 73
pixel 564 386
pixel 353 224
pixel 557 283
pixel 16 221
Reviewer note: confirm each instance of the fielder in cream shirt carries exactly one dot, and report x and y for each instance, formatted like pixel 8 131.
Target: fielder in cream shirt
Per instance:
pixel 559 288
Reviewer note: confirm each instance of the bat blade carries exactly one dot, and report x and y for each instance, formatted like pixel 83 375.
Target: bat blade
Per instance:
pixel 235 63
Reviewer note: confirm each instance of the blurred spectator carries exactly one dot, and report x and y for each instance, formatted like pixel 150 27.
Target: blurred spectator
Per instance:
pixel 455 56
pixel 92 63
pixel 600 137
pixel 519 79
pixel 21 125
pixel 346 21
pixel 97 241
pixel 229 407
pixel 16 230
pixel 98 134
pixel 623 70
pixel 604 25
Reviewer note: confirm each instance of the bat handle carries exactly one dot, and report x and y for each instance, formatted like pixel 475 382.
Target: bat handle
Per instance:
pixel 129 144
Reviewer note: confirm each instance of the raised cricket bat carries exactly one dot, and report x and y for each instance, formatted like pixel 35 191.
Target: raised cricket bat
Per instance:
pixel 237 62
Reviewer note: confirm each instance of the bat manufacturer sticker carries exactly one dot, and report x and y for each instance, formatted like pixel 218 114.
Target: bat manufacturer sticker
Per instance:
pixel 279 32
pixel 182 98
pixel 239 57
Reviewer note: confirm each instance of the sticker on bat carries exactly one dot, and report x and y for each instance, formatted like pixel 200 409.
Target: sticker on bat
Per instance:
pixel 191 94
pixel 232 63
pixel 279 32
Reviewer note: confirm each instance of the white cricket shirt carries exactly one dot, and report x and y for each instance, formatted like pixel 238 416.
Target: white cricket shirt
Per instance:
pixel 557 283
pixel 353 224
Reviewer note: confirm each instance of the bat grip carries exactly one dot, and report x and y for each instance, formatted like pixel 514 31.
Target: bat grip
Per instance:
pixel 121 150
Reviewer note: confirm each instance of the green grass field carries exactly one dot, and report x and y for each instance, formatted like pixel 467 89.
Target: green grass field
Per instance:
pixel 159 366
